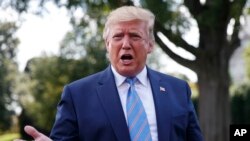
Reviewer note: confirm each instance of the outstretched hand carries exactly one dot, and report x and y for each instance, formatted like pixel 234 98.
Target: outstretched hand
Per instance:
pixel 36 135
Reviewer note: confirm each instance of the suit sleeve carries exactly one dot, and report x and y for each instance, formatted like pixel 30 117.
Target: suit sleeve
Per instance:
pixel 65 127
pixel 193 129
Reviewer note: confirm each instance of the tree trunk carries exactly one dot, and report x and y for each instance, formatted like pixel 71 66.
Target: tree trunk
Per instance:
pixel 212 59
pixel 214 103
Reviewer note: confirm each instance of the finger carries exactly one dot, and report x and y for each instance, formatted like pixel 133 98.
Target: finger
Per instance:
pixel 32 131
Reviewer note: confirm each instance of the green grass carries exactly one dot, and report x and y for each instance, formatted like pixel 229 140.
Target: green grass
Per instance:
pixel 9 137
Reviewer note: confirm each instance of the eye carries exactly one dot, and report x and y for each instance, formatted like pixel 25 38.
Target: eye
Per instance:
pixel 136 37
pixel 117 37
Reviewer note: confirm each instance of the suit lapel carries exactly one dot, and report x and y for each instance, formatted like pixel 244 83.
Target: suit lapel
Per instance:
pixel 110 100
pixel 162 106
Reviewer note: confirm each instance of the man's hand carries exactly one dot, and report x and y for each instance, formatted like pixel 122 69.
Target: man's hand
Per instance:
pixel 36 135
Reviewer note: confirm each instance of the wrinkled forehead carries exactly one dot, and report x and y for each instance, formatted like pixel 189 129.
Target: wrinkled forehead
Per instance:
pixel 135 26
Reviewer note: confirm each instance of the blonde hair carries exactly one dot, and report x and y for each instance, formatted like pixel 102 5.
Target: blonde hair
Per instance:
pixel 129 13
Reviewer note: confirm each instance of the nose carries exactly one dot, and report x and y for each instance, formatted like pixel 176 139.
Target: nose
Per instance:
pixel 126 44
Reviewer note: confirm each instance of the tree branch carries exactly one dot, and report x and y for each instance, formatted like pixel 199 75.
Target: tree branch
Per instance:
pixel 237 10
pixel 239 5
pixel 177 40
pixel 235 40
pixel 188 63
pixel 194 6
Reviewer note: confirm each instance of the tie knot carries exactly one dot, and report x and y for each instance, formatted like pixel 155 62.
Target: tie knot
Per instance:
pixel 131 80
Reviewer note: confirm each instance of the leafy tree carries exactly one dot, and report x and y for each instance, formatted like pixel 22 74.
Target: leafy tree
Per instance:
pixel 211 59
pixel 48 75
pixel 241 96
pixel 8 71
pixel 212 54
pixel 47 79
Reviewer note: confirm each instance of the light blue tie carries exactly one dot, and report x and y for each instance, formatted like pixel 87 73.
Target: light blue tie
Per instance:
pixel 136 115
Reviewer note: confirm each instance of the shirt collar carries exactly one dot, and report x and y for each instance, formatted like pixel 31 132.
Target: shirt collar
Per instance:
pixel 119 79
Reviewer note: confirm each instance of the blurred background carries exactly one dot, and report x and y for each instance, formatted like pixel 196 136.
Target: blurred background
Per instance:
pixel 45 44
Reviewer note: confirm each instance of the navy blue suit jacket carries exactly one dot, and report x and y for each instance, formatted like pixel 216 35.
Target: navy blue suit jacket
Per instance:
pixel 90 110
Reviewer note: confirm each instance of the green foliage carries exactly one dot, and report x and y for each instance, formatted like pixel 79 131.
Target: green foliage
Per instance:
pixel 240 103
pixel 241 96
pixel 48 75
pixel 47 79
pixel 172 16
pixel 80 56
pixel 8 72
pixel 9 137
pixel 247 61
pixel 158 7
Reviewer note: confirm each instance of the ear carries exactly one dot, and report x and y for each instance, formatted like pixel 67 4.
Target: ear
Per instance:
pixel 150 46
pixel 107 45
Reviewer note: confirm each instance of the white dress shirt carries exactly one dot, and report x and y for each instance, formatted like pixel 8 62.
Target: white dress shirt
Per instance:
pixel 144 91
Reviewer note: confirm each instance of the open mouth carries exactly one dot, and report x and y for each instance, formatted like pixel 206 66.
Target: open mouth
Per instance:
pixel 126 57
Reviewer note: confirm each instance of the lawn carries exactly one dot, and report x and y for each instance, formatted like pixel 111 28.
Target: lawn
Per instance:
pixel 9 137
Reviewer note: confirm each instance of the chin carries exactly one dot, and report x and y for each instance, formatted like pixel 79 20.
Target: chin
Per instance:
pixel 128 72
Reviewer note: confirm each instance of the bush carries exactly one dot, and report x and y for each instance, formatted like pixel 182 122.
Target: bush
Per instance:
pixel 240 104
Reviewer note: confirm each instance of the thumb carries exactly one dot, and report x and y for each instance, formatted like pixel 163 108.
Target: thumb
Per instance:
pixel 32 131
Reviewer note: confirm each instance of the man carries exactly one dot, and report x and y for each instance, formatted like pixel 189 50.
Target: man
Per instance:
pixel 128 100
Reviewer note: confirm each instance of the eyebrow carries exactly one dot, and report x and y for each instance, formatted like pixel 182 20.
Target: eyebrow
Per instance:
pixel 130 32
pixel 135 32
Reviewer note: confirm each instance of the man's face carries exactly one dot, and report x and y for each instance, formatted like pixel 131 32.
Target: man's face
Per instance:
pixel 128 44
